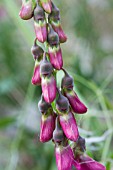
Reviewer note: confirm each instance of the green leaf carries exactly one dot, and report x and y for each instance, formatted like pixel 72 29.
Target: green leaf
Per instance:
pixel 4 122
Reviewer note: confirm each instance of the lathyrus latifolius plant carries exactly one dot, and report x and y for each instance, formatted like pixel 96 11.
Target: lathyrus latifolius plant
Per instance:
pixel 58 123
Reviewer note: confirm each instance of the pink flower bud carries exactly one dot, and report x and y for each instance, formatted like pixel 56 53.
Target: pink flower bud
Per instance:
pixel 46 4
pixel 41 30
pixel 47 126
pixel 54 19
pixel 55 54
pixel 64 157
pixel 76 104
pixel 27 8
pixel 58 29
pixel 48 84
pixel 36 79
pixel 69 126
pixel 87 163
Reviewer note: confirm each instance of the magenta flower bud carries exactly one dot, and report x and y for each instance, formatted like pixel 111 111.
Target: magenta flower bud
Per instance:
pixel 46 68
pixel 87 163
pixel 47 126
pixel 27 8
pixel 67 81
pixel 36 79
pixel 58 29
pixel 48 84
pixel 62 104
pixel 40 24
pixel 55 54
pixel 37 51
pixel 54 19
pixel 76 104
pixel 41 30
pixel 43 105
pixel 69 126
pixel 47 5
pixel 64 157
pixel 53 38
pixel 58 135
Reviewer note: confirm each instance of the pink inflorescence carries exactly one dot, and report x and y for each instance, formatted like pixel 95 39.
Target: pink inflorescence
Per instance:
pixel 57 104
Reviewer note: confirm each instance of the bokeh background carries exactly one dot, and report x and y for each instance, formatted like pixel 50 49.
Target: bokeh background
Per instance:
pixel 88 57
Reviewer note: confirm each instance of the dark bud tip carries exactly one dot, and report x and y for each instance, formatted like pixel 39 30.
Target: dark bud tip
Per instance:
pixel 46 68
pixel 67 81
pixel 43 106
pixel 37 51
pixel 39 13
pixel 62 103
pixel 53 38
pixel 55 14
pixel 58 135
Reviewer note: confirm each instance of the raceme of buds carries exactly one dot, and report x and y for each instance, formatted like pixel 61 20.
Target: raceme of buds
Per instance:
pixel 58 135
pixel 47 125
pixel 47 5
pixel 76 104
pixel 36 79
pixel 37 52
pixel 69 126
pixel 49 88
pixel 40 24
pixel 27 9
pixel 56 105
pixel 62 104
pixel 64 157
pixel 55 55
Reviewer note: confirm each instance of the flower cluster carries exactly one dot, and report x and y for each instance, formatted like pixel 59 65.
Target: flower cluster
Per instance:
pixel 58 104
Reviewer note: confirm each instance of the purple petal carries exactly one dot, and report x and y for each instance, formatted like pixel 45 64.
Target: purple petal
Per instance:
pixel 49 88
pixel 64 157
pixel 47 127
pixel 76 104
pixel 69 126
pixel 41 30
pixel 87 163
pixel 56 60
pixel 36 79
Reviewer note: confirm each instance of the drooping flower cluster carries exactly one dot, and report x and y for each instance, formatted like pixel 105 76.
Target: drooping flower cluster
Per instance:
pixel 58 104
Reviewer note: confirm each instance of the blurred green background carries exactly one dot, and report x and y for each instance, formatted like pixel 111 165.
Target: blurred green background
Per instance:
pixel 88 56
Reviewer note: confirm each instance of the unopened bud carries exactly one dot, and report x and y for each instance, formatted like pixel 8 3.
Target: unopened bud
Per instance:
pixel 67 81
pixel 46 67
pixel 53 38
pixel 37 51
pixel 62 104
pixel 27 8
pixel 47 5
